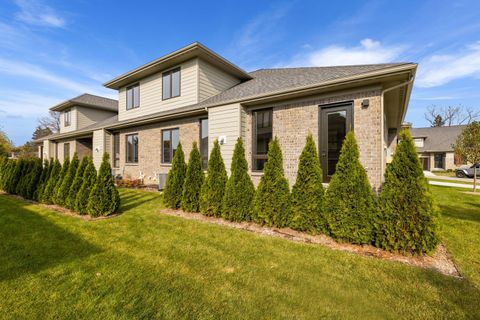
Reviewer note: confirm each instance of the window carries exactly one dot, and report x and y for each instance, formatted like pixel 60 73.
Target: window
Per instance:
pixel 66 150
pixel 204 142
pixel 116 150
pixel 170 140
pixel 67 118
pixel 132 148
pixel 171 84
pixel 418 142
pixel 262 134
pixel 133 97
pixel 438 160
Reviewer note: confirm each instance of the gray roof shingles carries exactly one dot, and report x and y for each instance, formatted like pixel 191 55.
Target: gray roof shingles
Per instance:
pixel 437 139
pixel 94 101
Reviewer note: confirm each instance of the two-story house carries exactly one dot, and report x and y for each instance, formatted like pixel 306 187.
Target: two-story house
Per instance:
pixel 193 94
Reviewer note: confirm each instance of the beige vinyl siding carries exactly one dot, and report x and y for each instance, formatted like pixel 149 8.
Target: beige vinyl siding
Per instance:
pixel 212 80
pixel 98 147
pixel 60 146
pixel 151 93
pixel 73 121
pixel 89 116
pixel 48 150
pixel 225 121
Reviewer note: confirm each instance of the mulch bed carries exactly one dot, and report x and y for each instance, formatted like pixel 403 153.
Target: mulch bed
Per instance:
pixel 439 261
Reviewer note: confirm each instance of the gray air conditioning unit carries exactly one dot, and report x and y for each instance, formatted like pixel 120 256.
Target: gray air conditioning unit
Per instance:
pixel 162 181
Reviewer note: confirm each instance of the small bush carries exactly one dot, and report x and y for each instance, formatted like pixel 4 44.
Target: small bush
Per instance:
pixel 88 181
pixel 172 194
pixel 272 200
pixel 104 198
pixel 129 183
pixel 349 200
pixel 51 182
pixel 56 198
pixel 66 183
pixel 76 184
pixel 237 203
pixel 408 217
pixel 213 188
pixel 193 181
pixel 308 192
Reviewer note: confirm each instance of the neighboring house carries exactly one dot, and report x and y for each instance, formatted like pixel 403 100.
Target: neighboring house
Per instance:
pixel 435 147
pixel 193 94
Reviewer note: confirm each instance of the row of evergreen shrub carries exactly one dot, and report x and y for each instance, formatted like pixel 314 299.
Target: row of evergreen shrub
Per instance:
pixel 402 218
pixel 75 185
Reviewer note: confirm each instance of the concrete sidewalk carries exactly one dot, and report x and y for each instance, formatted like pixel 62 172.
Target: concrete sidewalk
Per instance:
pixel 431 175
pixel 451 184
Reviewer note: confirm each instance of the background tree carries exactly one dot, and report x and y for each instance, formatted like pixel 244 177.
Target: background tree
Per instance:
pixel 451 115
pixel 408 218
pixel 172 194
pixel 272 199
pixel 237 203
pixel 308 192
pixel 52 121
pixel 193 181
pixel 211 194
pixel 56 198
pixel 6 145
pixel 104 198
pixel 76 184
pixel 88 181
pixel 349 200
pixel 64 188
pixel 41 132
pixel 48 191
pixel 467 147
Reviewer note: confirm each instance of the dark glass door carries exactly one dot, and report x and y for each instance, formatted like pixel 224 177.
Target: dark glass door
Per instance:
pixel 335 122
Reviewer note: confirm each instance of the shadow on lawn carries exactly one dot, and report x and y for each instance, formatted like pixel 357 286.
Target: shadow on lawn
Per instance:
pixel 130 200
pixel 472 213
pixel 30 243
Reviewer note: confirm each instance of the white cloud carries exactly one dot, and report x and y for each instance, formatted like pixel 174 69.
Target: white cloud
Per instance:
pixel 31 71
pixel 369 51
pixel 36 13
pixel 438 70
pixel 18 103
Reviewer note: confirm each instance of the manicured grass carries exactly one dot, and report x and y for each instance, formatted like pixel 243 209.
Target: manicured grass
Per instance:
pixel 146 265
pixel 444 173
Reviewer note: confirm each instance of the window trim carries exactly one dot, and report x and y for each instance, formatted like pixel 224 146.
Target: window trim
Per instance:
pixel 169 74
pixel 126 96
pixel 69 112
pixel 126 148
pixel 200 140
pixel 114 159
pixel 254 140
pixel 171 153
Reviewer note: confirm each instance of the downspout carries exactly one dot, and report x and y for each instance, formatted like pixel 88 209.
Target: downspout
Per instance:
pixel 382 124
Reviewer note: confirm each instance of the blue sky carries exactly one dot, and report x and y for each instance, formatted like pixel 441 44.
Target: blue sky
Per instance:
pixel 53 50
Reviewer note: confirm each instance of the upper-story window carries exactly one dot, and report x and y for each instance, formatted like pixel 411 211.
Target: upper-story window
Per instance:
pixel 171 84
pixel 67 117
pixel 133 96
pixel 418 142
pixel 262 134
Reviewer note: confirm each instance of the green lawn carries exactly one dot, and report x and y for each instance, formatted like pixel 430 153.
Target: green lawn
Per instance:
pixel 145 265
pixel 444 173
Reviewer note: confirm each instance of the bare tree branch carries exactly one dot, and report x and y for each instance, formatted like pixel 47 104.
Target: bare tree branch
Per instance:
pixel 52 121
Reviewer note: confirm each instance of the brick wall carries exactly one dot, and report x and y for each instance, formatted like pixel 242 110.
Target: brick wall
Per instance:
pixel 294 120
pixel 149 148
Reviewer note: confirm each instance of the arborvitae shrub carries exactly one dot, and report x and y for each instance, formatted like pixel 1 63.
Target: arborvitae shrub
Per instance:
pixel 172 194
pixel 34 179
pixel 76 184
pixel 237 203
pixel 3 167
pixel 88 181
pixel 10 168
pixel 25 167
pixel 104 198
pixel 63 189
pixel 213 188
pixel 47 167
pixel 349 200
pixel 56 198
pixel 193 181
pixel 272 202
pixel 308 192
pixel 408 218
pixel 51 182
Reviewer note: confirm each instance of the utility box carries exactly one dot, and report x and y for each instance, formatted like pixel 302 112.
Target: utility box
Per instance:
pixel 162 181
